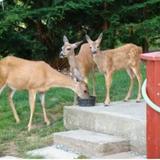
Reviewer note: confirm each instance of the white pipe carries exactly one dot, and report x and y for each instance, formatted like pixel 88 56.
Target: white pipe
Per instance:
pixel 147 99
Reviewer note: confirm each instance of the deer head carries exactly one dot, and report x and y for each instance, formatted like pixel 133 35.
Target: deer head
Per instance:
pixel 94 45
pixel 68 48
pixel 81 89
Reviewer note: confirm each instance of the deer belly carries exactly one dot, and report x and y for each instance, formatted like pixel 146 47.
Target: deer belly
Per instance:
pixel 18 84
pixel 121 65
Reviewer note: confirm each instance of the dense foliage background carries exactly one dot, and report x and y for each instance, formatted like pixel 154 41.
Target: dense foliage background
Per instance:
pixel 33 29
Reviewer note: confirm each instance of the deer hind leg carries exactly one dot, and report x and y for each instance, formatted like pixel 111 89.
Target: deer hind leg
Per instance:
pixel 42 99
pixel 10 98
pixel 108 79
pixel 32 98
pixel 139 78
pixel 131 75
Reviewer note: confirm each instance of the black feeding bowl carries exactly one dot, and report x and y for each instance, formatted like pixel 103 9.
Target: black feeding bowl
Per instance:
pixel 87 102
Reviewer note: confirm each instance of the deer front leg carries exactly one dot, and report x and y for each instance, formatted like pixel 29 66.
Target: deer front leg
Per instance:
pixel 108 79
pixel 32 98
pixel 42 99
pixel 10 98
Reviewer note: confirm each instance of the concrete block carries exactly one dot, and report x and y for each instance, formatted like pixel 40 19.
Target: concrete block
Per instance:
pixel 125 155
pixel 52 152
pixel 91 143
pixel 124 119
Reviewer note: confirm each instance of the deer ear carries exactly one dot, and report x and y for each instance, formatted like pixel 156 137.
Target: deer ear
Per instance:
pixel 65 39
pixel 88 38
pixel 75 45
pixel 99 39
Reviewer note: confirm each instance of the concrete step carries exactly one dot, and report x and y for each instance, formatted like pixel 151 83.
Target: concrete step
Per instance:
pixel 10 157
pixel 124 119
pixel 52 152
pixel 125 155
pixel 90 143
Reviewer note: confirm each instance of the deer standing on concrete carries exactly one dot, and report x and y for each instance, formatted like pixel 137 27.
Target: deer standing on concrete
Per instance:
pixel 108 61
pixel 34 76
pixel 80 65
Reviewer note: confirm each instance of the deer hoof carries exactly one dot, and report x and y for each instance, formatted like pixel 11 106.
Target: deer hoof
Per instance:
pixel 107 102
pixel 48 123
pixel 138 101
pixel 106 105
pixel 17 121
pixel 125 100
pixel 29 129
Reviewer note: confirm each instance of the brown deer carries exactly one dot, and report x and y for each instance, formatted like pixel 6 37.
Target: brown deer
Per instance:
pixel 80 65
pixel 108 61
pixel 34 76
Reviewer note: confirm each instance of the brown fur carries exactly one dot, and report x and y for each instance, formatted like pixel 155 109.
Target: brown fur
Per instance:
pixel 108 61
pixel 123 57
pixel 83 62
pixel 34 76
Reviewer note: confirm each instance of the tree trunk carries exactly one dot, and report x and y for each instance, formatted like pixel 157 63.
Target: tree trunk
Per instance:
pixel 106 23
pixel 145 45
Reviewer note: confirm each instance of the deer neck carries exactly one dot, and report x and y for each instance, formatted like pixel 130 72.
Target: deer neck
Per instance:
pixel 72 60
pixel 99 59
pixel 64 81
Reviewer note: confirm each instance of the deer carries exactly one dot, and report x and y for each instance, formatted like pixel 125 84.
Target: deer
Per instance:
pixel 70 54
pixel 80 65
pixel 35 77
pixel 108 61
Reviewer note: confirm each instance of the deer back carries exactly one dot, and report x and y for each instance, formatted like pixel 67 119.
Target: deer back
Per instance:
pixel 122 57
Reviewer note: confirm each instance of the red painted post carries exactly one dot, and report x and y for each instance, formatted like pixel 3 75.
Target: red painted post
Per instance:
pixel 153 91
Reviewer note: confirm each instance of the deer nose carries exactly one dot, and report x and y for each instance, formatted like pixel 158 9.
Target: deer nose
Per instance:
pixel 94 51
pixel 61 55
pixel 85 91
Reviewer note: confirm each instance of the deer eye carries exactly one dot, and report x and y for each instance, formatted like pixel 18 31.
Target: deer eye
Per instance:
pixel 68 49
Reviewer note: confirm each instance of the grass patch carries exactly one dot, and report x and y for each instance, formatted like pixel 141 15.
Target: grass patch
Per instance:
pixel 14 138
pixel 119 88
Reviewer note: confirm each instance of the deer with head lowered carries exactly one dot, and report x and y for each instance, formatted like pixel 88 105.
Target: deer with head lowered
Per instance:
pixel 35 77
pixel 80 65
pixel 108 61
